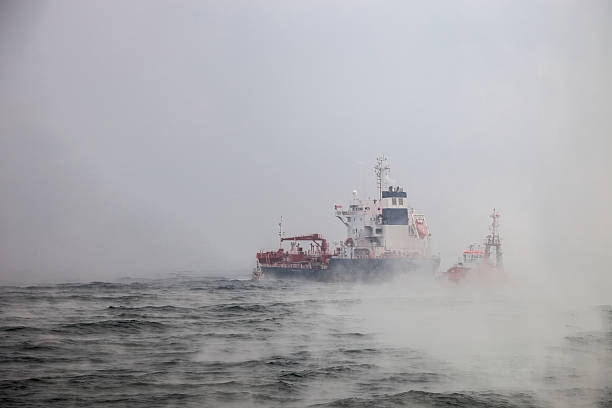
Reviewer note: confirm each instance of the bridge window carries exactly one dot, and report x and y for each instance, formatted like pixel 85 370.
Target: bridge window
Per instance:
pixel 394 201
pixel 401 201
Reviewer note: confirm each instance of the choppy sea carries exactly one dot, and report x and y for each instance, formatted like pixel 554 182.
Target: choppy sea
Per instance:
pixel 190 341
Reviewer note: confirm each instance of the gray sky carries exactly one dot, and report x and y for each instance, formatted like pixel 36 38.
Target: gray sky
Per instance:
pixel 147 137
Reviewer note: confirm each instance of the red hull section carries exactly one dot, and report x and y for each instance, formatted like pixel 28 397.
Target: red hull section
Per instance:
pixel 317 257
pixel 456 273
pixel 476 273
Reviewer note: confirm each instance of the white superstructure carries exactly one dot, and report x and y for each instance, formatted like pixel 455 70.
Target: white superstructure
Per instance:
pixel 383 227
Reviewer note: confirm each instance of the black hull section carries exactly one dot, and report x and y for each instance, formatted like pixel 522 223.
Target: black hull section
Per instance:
pixel 358 270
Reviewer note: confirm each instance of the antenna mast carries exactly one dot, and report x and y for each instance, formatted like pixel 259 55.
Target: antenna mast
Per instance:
pixel 493 239
pixel 280 232
pixel 381 170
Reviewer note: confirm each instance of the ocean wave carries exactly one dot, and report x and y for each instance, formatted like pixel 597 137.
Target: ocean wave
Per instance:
pixel 422 399
pixel 267 344
pixel 104 326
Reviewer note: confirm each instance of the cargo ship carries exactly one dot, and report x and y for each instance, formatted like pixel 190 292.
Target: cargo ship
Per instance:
pixel 480 263
pixel 385 237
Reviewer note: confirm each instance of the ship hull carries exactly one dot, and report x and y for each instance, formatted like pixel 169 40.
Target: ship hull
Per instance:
pixel 358 270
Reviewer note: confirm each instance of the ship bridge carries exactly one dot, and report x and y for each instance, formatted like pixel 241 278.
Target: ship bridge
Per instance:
pixel 394 207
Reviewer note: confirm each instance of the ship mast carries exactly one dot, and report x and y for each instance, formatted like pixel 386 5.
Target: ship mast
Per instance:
pixel 280 232
pixel 493 239
pixel 381 170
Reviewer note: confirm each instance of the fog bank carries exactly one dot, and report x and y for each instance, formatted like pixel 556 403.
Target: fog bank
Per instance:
pixel 148 137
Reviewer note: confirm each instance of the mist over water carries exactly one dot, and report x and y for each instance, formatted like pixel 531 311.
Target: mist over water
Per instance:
pixel 145 138
pixel 207 342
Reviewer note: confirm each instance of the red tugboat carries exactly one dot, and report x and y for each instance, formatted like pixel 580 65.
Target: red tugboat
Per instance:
pixel 479 264
pixel 384 237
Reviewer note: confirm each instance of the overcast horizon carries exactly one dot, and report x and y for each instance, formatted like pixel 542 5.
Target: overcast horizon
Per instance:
pixel 152 137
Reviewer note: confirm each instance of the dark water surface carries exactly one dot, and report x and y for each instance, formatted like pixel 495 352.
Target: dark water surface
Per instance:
pixel 187 341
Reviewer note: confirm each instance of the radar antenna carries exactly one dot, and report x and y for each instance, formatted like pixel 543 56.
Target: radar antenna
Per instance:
pixel 381 169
